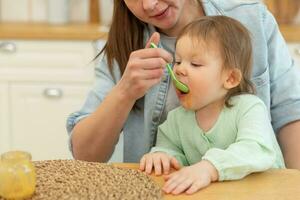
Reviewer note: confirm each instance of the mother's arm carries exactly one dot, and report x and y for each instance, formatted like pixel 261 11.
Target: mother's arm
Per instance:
pixel 285 93
pixel 289 138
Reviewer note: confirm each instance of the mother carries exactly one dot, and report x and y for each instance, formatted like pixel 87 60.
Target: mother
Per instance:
pixel 132 92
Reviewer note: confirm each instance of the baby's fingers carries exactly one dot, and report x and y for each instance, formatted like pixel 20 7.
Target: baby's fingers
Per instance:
pixel 149 165
pixel 175 164
pixel 195 187
pixel 172 183
pixel 170 176
pixel 157 165
pixel 166 165
pixel 143 163
pixel 182 186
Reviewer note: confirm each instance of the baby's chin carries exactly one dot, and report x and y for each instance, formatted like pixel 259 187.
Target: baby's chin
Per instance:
pixel 187 107
pixel 192 107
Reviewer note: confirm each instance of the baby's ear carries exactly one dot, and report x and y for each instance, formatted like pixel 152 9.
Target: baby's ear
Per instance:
pixel 233 78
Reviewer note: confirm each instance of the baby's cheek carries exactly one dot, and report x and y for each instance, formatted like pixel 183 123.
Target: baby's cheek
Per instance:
pixel 200 87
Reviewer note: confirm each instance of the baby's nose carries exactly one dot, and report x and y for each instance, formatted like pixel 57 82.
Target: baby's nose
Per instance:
pixel 179 70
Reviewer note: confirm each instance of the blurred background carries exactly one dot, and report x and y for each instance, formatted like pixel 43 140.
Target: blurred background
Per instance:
pixel 285 11
pixel 56 11
pixel 46 49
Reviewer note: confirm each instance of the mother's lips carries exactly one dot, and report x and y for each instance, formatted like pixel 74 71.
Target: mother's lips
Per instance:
pixel 160 13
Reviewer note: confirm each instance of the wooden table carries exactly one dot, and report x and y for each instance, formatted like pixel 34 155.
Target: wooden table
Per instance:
pixel 270 185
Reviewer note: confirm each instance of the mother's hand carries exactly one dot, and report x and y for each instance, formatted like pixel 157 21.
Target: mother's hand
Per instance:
pixel 144 69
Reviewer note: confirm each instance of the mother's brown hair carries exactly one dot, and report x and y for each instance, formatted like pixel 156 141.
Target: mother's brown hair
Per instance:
pixel 126 34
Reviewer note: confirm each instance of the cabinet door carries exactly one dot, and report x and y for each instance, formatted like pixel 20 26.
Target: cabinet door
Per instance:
pixel 4 116
pixel 38 118
pixel 46 61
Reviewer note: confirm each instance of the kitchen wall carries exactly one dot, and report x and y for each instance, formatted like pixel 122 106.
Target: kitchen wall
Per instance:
pixel 285 11
pixel 40 10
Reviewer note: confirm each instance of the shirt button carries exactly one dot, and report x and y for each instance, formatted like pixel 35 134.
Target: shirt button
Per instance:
pixel 164 78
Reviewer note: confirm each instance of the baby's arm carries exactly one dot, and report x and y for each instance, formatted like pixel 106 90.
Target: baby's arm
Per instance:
pixel 168 139
pixel 191 179
pixel 168 142
pixel 167 152
pixel 254 148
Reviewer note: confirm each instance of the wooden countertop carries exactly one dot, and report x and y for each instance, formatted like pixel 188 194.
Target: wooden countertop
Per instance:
pixel 87 31
pixel 270 185
pixel 49 32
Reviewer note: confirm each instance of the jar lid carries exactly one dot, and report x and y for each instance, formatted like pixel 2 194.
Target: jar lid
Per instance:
pixel 15 156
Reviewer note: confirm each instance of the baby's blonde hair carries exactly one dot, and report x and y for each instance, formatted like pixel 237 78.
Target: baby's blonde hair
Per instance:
pixel 235 45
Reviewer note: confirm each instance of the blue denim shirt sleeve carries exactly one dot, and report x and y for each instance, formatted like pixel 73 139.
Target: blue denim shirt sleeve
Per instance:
pixel 103 83
pixel 284 76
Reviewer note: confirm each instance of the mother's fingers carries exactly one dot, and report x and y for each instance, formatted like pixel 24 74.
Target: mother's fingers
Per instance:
pixel 142 75
pixel 152 53
pixel 153 63
pixel 155 37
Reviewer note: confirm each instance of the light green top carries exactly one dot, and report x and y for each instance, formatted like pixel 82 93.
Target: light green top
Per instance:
pixel 241 141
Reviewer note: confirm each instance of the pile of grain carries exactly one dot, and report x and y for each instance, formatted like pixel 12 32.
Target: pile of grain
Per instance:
pixel 70 179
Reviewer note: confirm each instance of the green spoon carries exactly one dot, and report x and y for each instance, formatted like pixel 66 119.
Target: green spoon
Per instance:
pixel 180 86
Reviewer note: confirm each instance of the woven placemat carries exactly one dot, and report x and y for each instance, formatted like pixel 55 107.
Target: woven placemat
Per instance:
pixel 71 179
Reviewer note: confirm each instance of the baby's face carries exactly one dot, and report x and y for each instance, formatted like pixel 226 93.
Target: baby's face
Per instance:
pixel 199 65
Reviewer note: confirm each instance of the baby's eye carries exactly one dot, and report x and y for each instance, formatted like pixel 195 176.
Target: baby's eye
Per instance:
pixel 196 65
pixel 177 62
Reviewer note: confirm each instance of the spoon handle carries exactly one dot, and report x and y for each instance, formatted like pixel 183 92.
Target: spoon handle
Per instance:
pixel 182 87
pixel 171 72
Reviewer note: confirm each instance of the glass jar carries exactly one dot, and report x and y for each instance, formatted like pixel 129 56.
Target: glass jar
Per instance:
pixel 17 175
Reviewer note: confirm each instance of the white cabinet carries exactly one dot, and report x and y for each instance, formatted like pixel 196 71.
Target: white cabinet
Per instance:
pixel 38 115
pixel 41 83
pixel 4 115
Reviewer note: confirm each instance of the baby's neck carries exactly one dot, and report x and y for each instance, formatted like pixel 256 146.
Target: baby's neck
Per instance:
pixel 208 115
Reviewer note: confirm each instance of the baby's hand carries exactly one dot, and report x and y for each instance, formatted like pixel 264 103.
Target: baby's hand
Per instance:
pixel 191 179
pixel 161 162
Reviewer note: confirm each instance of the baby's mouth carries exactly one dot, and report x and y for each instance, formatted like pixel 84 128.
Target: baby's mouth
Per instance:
pixel 183 88
pixel 180 93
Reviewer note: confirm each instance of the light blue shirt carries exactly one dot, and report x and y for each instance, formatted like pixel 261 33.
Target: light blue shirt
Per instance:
pixel 275 76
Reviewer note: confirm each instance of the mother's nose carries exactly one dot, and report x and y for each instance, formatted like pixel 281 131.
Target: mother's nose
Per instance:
pixel 149 4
